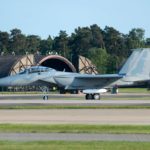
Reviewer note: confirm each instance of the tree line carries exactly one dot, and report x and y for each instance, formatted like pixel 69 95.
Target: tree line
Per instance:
pixel 107 48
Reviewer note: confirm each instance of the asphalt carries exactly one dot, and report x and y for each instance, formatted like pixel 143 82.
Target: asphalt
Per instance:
pixel 68 96
pixel 73 137
pixel 74 103
pixel 76 116
pixel 73 100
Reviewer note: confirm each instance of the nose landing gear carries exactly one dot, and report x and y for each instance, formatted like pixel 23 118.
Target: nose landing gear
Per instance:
pixel 45 92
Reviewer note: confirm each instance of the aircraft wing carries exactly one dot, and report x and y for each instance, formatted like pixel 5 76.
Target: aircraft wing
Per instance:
pixel 93 81
pixel 103 76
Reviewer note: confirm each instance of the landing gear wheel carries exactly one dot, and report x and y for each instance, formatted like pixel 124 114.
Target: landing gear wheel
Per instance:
pixel 96 96
pixel 88 96
pixel 45 97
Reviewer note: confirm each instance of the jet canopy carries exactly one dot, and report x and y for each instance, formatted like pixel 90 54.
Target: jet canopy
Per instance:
pixel 36 69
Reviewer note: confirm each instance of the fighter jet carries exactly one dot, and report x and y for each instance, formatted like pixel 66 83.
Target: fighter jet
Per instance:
pixel 66 80
pixel 135 70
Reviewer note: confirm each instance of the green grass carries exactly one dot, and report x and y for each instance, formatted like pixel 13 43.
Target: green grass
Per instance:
pixel 76 107
pixel 66 145
pixel 134 90
pixel 126 98
pixel 74 128
pixel 70 145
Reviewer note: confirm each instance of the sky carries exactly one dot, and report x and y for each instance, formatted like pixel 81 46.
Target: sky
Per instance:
pixel 48 17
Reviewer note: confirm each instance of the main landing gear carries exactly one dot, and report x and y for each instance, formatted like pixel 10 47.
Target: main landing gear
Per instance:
pixel 95 96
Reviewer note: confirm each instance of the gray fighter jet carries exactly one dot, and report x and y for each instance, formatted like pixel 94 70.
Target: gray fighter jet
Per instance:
pixel 135 70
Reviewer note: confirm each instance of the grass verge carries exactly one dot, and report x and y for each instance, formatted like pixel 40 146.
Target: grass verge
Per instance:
pixel 74 128
pixel 65 145
pixel 127 98
pixel 134 90
pixel 75 107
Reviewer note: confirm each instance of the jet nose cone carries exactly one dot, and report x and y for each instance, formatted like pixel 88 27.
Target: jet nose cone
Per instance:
pixel 5 81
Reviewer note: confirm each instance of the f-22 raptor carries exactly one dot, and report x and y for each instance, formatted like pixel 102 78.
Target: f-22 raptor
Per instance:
pixel 135 70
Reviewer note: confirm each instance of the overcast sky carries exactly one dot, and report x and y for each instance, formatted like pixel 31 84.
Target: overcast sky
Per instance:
pixel 48 17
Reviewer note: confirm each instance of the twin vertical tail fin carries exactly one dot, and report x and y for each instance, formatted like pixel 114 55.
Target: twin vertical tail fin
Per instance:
pixel 138 64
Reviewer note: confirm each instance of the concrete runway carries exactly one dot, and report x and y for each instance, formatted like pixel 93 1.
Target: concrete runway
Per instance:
pixel 76 116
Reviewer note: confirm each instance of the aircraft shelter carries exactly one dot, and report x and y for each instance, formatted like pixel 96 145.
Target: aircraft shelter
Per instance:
pixel 10 64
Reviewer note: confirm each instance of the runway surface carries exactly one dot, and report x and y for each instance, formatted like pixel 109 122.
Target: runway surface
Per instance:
pixel 76 116
pixel 74 137
pixel 110 102
pixel 74 100
pixel 69 96
pixel 73 116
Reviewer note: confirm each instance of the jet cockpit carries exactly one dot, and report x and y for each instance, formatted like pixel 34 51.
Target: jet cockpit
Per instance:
pixel 36 69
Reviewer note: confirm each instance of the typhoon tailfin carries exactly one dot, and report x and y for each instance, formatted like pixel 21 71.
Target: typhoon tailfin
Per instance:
pixel 138 64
